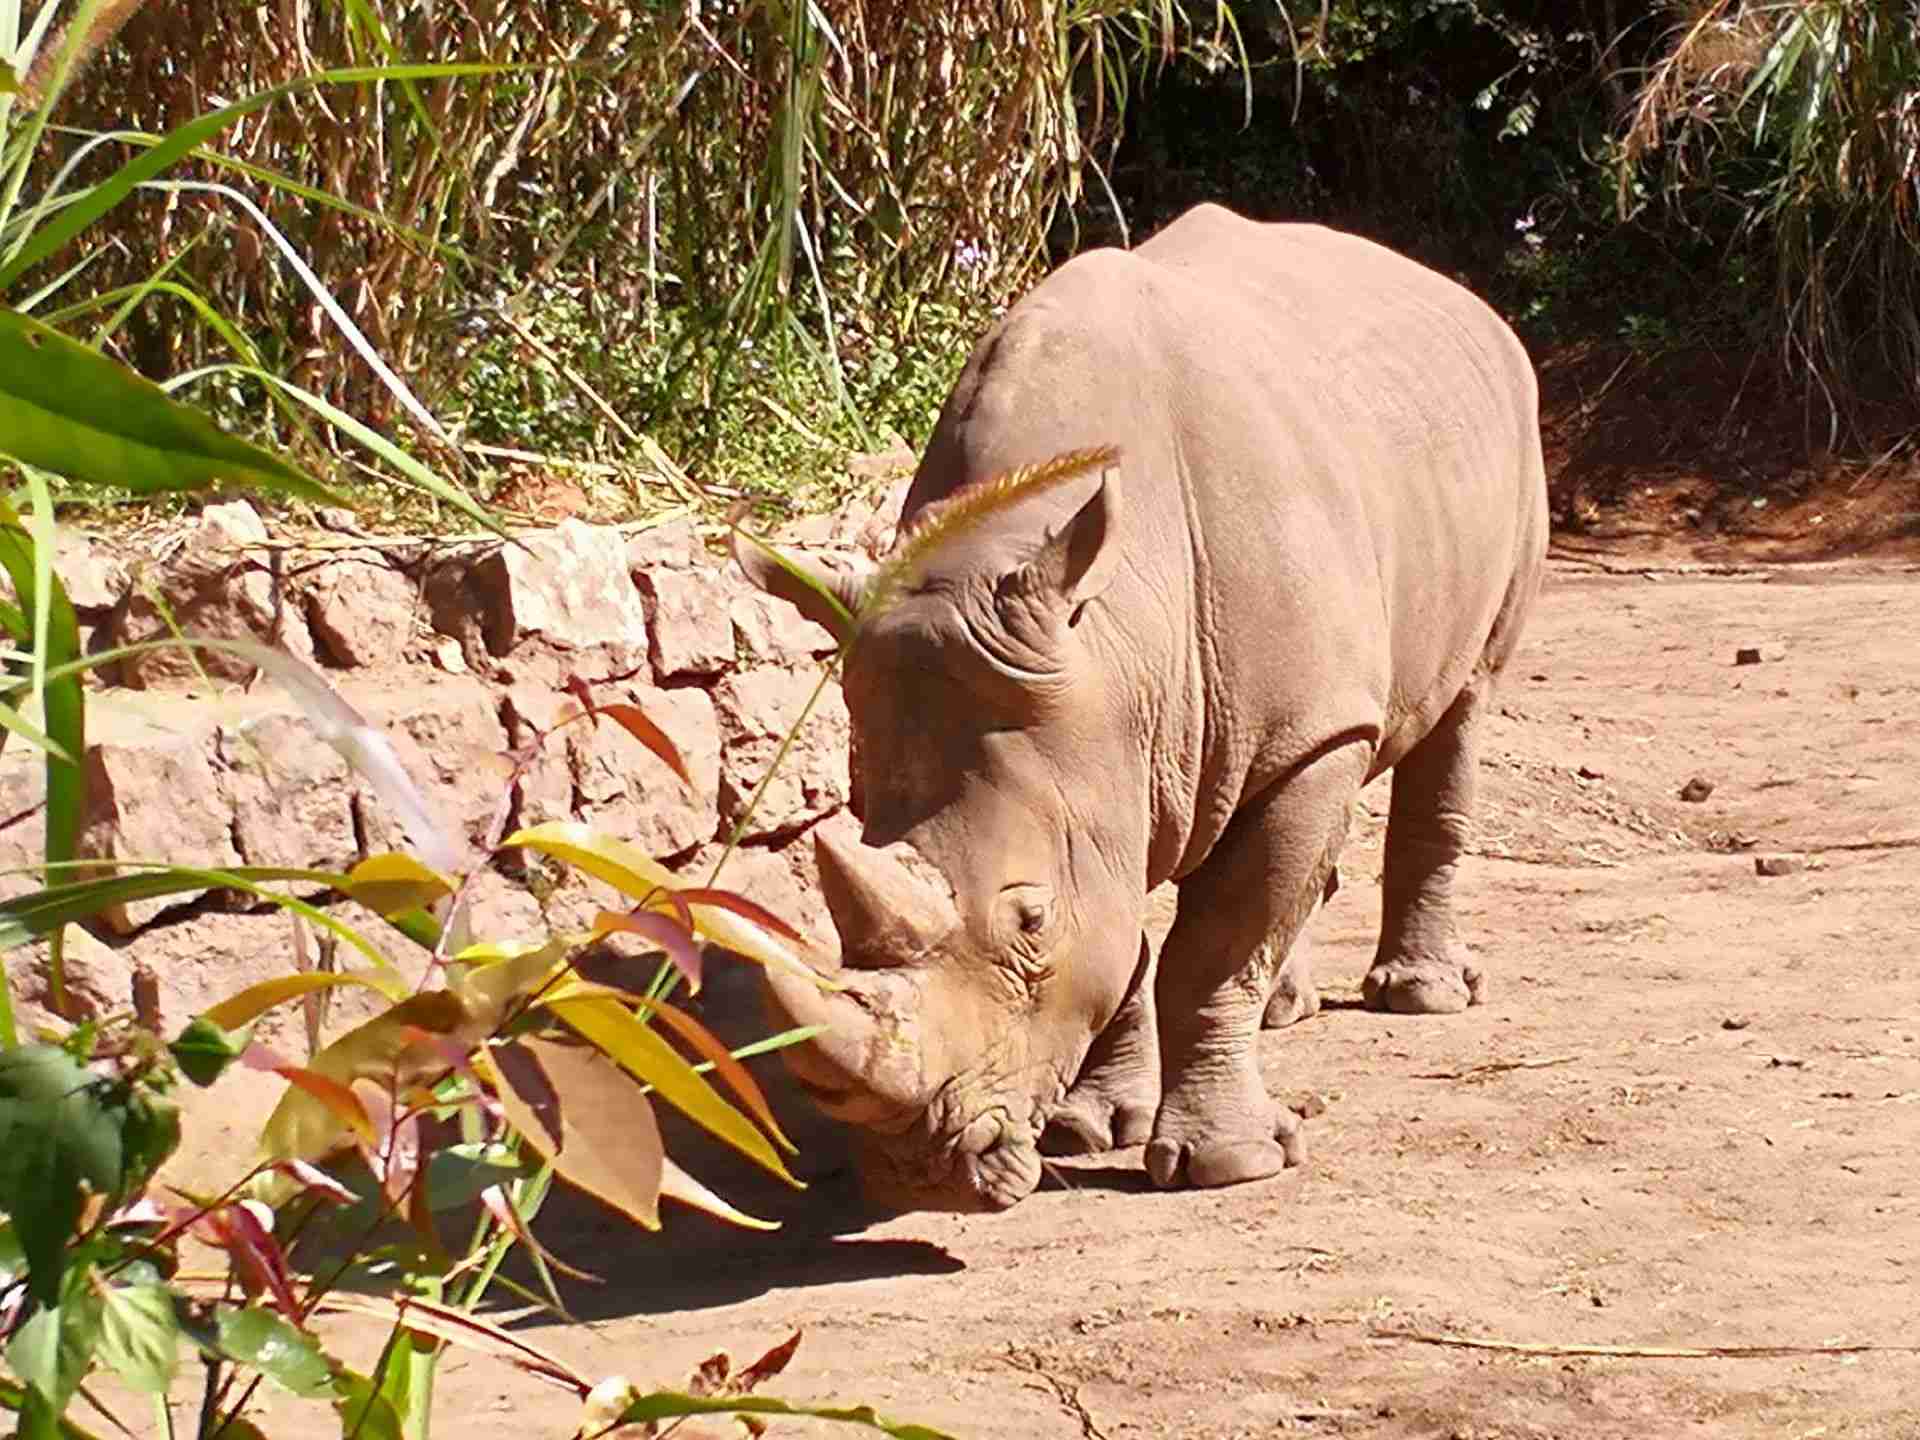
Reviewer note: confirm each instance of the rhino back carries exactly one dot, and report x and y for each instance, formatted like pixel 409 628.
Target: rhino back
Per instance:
pixel 1334 495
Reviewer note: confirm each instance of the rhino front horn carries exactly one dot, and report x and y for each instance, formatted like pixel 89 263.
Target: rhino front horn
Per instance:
pixel 884 913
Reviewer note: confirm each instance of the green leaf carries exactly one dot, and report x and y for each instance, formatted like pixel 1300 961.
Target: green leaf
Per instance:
pixel 55 1134
pixel 53 1351
pixel 55 641
pixel 36 1420
pixel 669 1405
pixel 458 1173
pixel 257 1338
pixel 410 468
pixel 29 916
pixel 76 412
pixel 364 1411
pixel 149 1133
pixel 140 1336
pixel 9 82
pixel 53 235
pixel 204 1049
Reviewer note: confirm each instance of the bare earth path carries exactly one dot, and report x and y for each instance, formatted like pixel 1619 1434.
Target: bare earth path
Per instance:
pixel 1690 1115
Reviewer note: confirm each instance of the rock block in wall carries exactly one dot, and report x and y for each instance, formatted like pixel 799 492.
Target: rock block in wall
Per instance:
pixel 569 587
pixel 546 783
pixel 362 611
pixel 770 631
pixel 90 570
pixel 98 978
pixel 689 624
pixel 156 798
pixel 625 790
pixel 447 734
pixel 288 793
pixel 23 827
pixel 673 545
pixel 213 585
pixel 756 708
pixel 503 909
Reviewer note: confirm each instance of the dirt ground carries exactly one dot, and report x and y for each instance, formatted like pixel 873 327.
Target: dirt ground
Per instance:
pixel 1687 1118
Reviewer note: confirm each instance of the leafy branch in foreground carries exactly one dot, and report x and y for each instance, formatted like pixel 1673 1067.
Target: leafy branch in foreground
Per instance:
pixel 541 1071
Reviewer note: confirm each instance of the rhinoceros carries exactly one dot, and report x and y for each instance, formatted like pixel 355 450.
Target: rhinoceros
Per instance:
pixel 1305 561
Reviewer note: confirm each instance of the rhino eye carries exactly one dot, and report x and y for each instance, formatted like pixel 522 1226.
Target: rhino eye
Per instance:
pixel 1032 917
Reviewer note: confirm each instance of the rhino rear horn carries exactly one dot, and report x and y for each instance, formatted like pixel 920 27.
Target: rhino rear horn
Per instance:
pixel 884 913
pixel 828 597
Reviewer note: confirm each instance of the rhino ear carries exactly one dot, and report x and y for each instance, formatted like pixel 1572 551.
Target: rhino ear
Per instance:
pixel 828 597
pixel 1079 560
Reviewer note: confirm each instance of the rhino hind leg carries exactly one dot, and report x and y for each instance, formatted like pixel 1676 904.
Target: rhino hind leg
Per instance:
pixel 1421 967
pixel 1295 997
pixel 1239 915
pixel 1112 1103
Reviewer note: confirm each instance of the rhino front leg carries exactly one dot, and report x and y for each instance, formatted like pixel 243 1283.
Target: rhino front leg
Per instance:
pixel 1239 914
pixel 1421 968
pixel 1111 1104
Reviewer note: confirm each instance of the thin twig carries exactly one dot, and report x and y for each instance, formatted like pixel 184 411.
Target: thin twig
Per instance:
pixel 1496 1067
pixel 1639 1352
pixel 1067 1395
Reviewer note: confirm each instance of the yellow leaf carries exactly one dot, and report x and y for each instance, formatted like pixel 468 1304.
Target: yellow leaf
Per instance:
pixel 644 879
pixel 490 976
pixel 630 871
pixel 387 1050
pixel 580 1112
pixel 335 1097
pixel 256 1000
pixel 393 882
pixel 677 1184
pixel 695 1034
pixel 648 1058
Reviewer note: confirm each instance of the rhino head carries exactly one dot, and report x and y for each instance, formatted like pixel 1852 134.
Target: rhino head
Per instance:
pixel 989 917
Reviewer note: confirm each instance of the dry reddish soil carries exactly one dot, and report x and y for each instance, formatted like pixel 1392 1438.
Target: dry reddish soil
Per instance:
pixel 1688 1116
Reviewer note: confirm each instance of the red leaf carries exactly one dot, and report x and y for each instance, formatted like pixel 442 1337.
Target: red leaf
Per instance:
pixel 710 1378
pixel 633 720
pixel 722 1060
pixel 769 1364
pixel 578 688
pixel 394 1158
pixel 257 1253
pixel 312 1177
pixel 663 930
pixel 743 907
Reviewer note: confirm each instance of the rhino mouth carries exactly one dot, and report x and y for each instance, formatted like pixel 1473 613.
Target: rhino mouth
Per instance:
pixel 989 1163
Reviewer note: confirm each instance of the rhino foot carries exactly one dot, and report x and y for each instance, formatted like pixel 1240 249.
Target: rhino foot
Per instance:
pixel 1415 987
pixel 1207 1163
pixel 1207 1156
pixel 1090 1124
pixel 1112 1103
pixel 1295 997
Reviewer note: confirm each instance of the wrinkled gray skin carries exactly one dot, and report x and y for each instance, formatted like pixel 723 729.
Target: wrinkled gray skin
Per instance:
pixel 1309 565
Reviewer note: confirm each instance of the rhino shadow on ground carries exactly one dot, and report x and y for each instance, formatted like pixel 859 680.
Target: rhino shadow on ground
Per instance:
pixel 698 1262
pixel 695 1262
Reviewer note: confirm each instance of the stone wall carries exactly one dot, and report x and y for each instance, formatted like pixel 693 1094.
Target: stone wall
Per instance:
pixel 459 651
